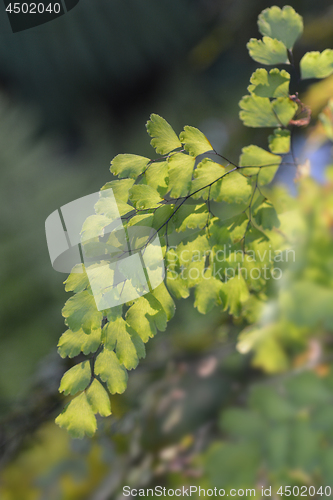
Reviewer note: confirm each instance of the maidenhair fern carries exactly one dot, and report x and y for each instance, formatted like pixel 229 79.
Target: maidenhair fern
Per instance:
pixel 228 261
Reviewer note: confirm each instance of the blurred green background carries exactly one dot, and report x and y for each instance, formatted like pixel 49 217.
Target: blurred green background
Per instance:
pixel 74 93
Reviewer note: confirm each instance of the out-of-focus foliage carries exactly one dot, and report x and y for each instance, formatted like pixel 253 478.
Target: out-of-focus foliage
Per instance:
pixel 185 402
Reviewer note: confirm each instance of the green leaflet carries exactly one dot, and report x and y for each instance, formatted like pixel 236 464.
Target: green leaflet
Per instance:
pixel 162 295
pixel 146 316
pixel 120 188
pixel 107 206
pixel 233 188
pixel 94 226
pixel 111 371
pixel 195 142
pixel 76 379
pixel 129 347
pixel 77 281
pixel 98 399
pixel 272 84
pixel 80 312
pixel 205 174
pixel 261 112
pixel 208 293
pixel 143 196
pixel 317 64
pixel 128 165
pixel 266 216
pixel 162 215
pixel 236 293
pixel 283 24
pixel 180 174
pixel 266 162
pixel 279 141
pixel 267 51
pixel 72 343
pixel 78 418
pixel 228 231
pixel 164 138
pixel 186 264
pixel 191 217
pixel 157 176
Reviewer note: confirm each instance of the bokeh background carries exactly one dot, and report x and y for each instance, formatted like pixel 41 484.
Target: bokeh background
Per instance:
pixel 74 93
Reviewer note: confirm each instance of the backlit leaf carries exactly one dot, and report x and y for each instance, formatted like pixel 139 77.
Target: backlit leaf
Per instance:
pixel 78 418
pixel 232 188
pixel 143 196
pixel 236 293
pixel 145 316
pixel 272 84
pixel 128 165
pixel 255 156
pixel 283 24
pixel 120 188
pixel 164 138
pixel 162 294
pixel 114 203
pixel 98 399
pixel 72 343
pixel 77 281
pixel 279 141
pixel 205 174
pixel 317 64
pixel 80 311
pixel 196 143
pixel 129 347
pixel 111 371
pixel 157 176
pixel 266 216
pixel 267 51
pixel 76 379
pixel 207 293
pixel 180 174
pixel 261 112
pixel 191 217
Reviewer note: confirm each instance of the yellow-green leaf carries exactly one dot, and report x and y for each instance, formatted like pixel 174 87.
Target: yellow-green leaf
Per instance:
pixel 261 112
pixel 98 399
pixel 272 84
pixel 180 174
pixel 145 316
pixel 128 165
pixel 267 51
pixel 279 141
pixel 78 418
pixel 254 157
pixel 76 379
pixel 72 343
pixel 283 24
pixel 143 196
pixel 317 64
pixel 195 142
pixel 129 347
pixel 164 138
pixel 80 311
pixel 108 367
